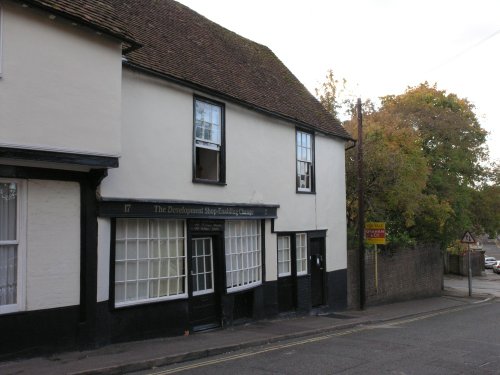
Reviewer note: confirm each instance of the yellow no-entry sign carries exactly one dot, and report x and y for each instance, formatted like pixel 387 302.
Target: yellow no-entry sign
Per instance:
pixel 375 233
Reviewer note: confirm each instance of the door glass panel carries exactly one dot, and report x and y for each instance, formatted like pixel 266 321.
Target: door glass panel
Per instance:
pixel 202 266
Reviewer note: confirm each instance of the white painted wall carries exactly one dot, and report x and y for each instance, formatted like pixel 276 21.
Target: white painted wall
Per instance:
pixel 156 163
pixel 60 87
pixel 53 244
pixel 331 199
pixel 271 252
pixel 103 254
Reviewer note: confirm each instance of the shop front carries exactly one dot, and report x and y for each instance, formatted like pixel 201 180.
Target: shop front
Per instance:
pixel 184 266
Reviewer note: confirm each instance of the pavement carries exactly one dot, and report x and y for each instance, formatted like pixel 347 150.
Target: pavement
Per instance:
pixel 142 355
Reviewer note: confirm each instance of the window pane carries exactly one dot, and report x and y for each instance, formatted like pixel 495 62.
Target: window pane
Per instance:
pixel 164 287
pixel 8 211
pixel 154 288
pixel 131 270
pixel 131 228
pixel 173 286
pixel 164 267
pixel 119 292
pixel 131 291
pixel 210 285
pixel 143 269
pixel 207 164
pixel 120 272
pixel 143 290
pixel 143 228
pixel 172 248
pixel 120 250
pixel 153 229
pixel 132 250
pixel 143 249
pixel 120 228
pixel 8 274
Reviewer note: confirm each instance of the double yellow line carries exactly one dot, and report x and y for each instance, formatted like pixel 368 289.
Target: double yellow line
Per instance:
pixel 306 341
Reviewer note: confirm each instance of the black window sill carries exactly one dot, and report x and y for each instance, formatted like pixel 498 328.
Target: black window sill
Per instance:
pixel 305 192
pixel 208 182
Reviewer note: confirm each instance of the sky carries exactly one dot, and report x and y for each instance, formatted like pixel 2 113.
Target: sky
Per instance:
pixel 381 47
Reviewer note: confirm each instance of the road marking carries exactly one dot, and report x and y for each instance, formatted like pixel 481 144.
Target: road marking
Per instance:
pixel 346 332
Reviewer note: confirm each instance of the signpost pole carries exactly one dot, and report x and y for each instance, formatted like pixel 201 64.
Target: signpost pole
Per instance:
pixel 376 268
pixel 468 239
pixel 470 270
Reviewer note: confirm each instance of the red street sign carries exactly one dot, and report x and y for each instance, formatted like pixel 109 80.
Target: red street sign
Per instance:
pixel 375 233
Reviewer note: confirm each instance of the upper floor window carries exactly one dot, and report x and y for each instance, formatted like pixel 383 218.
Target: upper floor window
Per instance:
pixel 305 161
pixel 208 141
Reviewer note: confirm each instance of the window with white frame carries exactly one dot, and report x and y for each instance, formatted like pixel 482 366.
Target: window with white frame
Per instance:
pixel 243 254
pixel 301 246
pixel 150 260
pixel 305 165
pixel 208 141
pixel 284 256
pixel 11 247
pixel 202 266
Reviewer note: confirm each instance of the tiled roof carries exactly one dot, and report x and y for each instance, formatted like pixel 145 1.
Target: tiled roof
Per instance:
pixel 99 15
pixel 182 45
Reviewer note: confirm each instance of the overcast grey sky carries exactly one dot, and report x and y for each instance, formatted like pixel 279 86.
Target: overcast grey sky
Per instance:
pixel 380 46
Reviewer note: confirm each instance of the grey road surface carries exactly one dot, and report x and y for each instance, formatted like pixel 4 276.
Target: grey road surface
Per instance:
pixel 462 340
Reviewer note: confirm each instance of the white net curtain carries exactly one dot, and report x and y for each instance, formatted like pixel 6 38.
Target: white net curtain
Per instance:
pixel 8 243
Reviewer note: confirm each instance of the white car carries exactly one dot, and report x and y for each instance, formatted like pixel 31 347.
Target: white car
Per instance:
pixel 496 267
pixel 489 262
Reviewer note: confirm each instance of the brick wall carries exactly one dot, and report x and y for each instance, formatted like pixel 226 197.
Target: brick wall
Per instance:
pixel 459 264
pixel 402 275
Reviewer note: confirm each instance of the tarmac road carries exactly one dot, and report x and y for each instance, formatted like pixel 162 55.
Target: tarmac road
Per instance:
pixel 489 283
pixel 462 332
pixel 457 341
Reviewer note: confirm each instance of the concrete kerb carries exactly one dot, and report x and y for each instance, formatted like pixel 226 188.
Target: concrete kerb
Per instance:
pixel 205 353
pixel 218 350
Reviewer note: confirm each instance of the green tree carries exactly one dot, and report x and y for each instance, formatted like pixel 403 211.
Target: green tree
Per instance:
pixel 330 94
pixel 395 175
pixel 486 210
pixel 454 145
pixel 424 164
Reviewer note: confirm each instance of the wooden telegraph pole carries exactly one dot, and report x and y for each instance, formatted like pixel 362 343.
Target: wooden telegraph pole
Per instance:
pixel 361 209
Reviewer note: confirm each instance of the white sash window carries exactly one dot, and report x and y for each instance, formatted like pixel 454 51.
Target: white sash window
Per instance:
pixel 305 162
pixel 301 245
pixel 208 141
pixel 284 256
pixel 11 246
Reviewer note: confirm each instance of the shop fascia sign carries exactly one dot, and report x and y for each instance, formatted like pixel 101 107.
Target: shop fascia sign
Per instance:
pixel 191 210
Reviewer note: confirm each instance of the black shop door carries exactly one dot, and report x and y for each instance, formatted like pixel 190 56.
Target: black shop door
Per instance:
pixel 205 298
pixel 317 267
